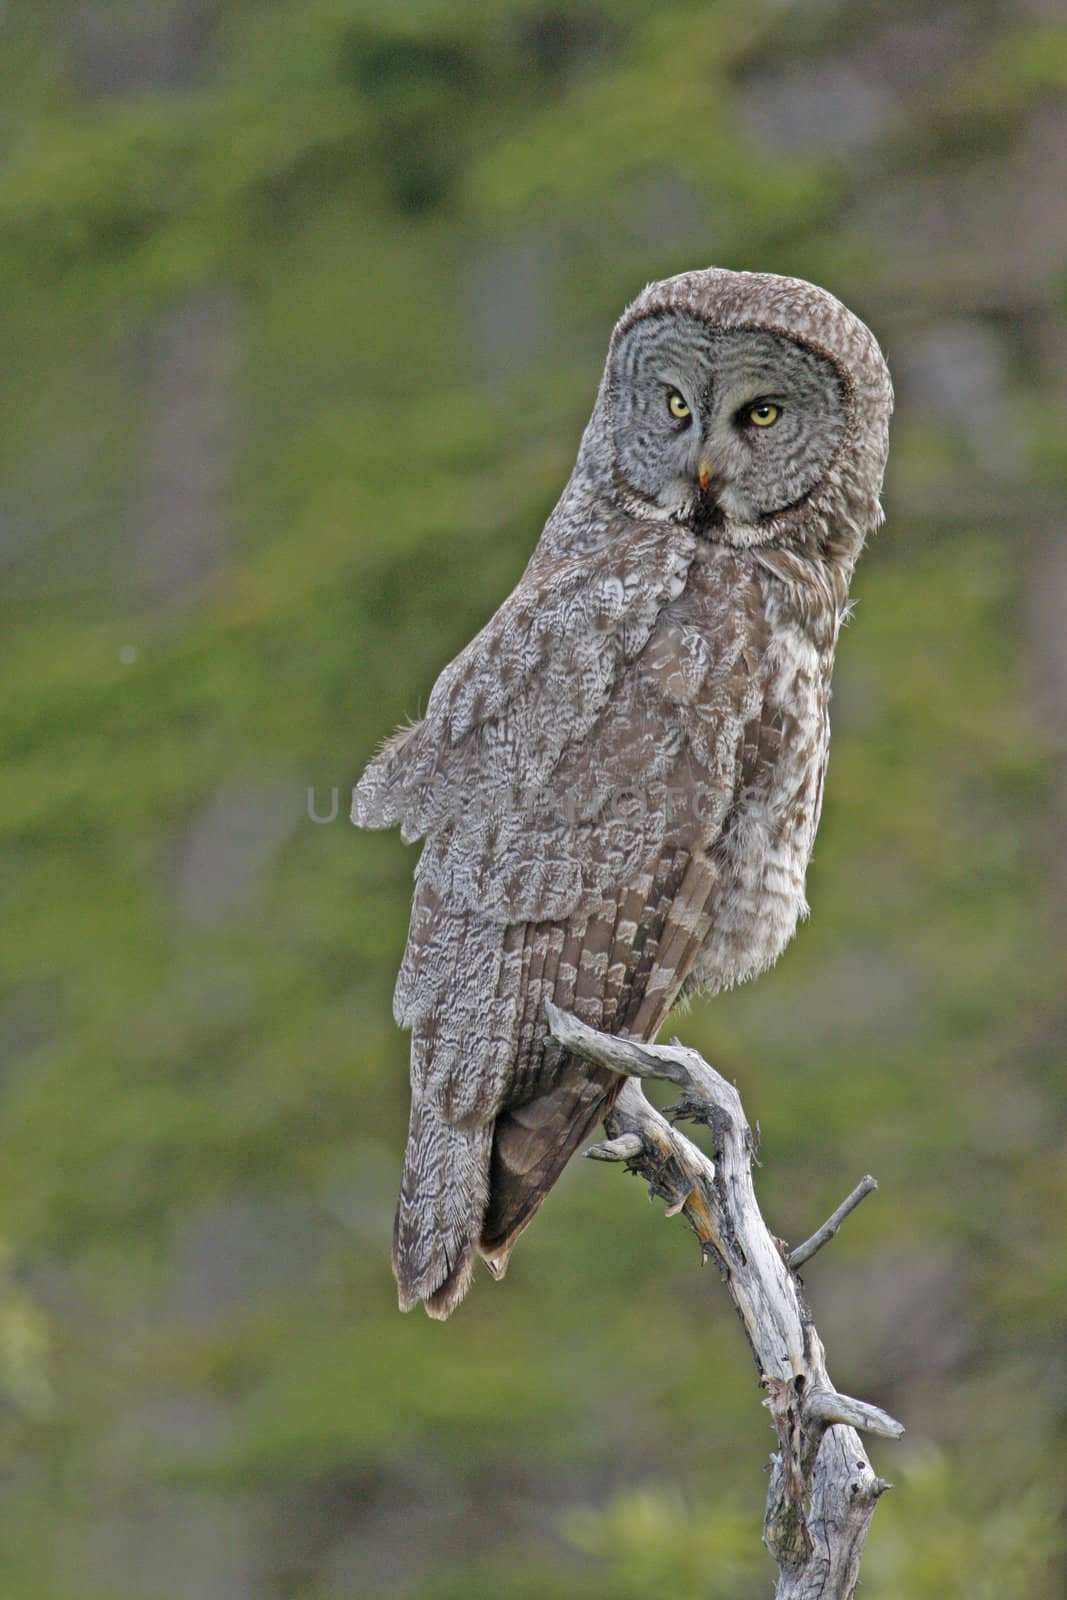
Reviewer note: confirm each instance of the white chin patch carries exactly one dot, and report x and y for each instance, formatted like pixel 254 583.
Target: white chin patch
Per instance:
pixel 743 534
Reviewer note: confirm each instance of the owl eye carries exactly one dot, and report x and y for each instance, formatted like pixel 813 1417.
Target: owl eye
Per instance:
pixel 677 406
pixel 765 414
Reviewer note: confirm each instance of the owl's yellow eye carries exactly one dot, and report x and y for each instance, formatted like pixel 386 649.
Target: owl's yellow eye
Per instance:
pixel 677 406
pixel 763 415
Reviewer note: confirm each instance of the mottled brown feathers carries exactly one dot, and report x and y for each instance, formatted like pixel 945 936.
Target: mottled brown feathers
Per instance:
pixel 618 782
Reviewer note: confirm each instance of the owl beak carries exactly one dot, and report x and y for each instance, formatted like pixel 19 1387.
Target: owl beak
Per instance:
pixel 705 512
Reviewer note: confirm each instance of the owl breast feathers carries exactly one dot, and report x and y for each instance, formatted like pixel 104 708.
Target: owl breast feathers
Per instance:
pixel 618 782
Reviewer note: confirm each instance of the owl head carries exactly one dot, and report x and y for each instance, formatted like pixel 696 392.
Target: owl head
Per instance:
pixel 750 407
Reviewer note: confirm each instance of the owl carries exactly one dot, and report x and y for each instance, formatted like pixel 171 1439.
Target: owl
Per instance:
pixel 618 782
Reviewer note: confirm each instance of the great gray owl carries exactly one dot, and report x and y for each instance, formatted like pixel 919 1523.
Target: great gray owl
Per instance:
pixel 619 780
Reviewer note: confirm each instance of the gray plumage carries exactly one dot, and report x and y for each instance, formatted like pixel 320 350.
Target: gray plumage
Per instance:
pixel 619 780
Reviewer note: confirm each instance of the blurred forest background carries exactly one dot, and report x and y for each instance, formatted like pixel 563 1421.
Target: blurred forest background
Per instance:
pixel 303 305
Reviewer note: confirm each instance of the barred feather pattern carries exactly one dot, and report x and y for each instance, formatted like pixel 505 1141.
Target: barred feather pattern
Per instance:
pixel 618 783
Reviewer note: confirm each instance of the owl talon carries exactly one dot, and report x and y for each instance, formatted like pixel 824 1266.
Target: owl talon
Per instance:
pixel 627 1147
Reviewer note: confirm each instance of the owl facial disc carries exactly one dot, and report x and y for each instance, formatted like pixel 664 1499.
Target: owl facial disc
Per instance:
pixel 722 427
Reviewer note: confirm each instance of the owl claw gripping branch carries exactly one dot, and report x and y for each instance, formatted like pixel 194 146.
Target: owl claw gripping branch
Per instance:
pixel 673 634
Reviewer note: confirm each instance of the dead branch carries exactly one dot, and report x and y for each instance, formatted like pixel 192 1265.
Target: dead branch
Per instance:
pixel 823 1235
pixel 822 1489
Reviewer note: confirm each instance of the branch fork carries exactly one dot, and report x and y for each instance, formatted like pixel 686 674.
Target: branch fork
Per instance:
pixel 822 1489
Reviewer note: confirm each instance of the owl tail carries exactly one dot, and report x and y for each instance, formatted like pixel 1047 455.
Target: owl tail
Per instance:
pixel 443 1193
pixel 532 1144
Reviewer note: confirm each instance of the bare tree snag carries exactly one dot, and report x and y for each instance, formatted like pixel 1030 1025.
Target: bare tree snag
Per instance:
pixel 822 1490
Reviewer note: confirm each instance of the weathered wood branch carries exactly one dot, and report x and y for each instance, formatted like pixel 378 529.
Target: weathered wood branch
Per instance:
pixel 822 1490
pixel 823 1235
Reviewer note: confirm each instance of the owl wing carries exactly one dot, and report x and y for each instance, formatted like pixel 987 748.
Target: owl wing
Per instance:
pixel 621 963
pixel 516 780
pixel 558 864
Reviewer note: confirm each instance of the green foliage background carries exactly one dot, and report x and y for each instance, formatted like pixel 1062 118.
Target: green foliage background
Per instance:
pixel 303 309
